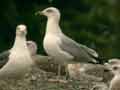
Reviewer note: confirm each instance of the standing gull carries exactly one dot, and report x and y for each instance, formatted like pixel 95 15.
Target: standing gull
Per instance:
pixel 18 57
pixel 61 48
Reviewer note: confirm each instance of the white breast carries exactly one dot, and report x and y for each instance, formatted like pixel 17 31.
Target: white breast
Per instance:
pixel 115 82
pixel 52 48
pixel 50 44
pixel 19 63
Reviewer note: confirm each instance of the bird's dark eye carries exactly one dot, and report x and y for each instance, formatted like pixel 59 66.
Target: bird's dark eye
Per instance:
pixel 49 10
pixel 28 43
pixel 115 68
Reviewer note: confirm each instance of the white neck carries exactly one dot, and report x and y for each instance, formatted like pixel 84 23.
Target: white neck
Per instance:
pixel 117 74
pixel 53 26
pixel 20 42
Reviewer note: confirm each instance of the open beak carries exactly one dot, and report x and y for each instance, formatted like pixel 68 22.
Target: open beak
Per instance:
pixel 39 13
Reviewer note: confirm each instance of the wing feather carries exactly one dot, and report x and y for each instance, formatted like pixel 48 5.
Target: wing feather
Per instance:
pixel 80 52
pixel 4 57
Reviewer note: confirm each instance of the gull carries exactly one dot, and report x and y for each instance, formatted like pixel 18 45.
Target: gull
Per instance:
pixel 115 82
pixel 37 58
pixel 60 47
pixel 32 47
pixel 17 61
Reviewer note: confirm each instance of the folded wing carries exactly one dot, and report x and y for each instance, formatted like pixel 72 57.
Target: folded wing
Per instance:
pixel 80 52
pixel 4 57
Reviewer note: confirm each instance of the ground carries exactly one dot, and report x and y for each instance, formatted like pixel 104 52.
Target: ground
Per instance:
pixel 37 79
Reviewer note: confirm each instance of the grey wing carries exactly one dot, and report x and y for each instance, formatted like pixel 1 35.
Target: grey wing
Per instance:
pixel 4 57
pixel 89 50
pixel 80 53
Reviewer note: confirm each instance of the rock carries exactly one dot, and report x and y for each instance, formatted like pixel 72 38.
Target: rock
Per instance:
pixel 37 79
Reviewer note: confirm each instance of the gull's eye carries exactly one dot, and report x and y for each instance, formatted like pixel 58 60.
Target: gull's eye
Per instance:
pixel 115 68
pixel 28 44
pixel 49 10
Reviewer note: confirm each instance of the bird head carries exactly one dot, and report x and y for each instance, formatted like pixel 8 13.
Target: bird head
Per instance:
pixel 32 46
pixel 50 12
pixel 21 30
pixel 115 69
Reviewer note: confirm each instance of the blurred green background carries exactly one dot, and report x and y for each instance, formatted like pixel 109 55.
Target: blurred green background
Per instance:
pixel 95 23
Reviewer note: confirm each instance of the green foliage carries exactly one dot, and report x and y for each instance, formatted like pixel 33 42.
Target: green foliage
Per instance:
pixel 94 23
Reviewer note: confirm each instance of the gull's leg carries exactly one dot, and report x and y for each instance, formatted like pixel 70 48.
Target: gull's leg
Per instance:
pixel 59 72
pixel 66 75
pixel 58 75
pixel 58 78
pixel 66 72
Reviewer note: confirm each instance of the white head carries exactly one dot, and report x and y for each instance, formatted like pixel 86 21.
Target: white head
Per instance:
pixel 115 69
pixel 32 46
pixel 50 12
pixel 21 30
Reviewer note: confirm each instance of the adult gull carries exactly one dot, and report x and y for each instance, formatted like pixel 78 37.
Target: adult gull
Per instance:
pixel 17 61
pixel 60 47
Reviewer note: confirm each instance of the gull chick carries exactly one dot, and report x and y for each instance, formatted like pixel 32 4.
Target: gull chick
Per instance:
pixel 32 47
pixel 60 47
pixel 18 57
pixel 37 58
